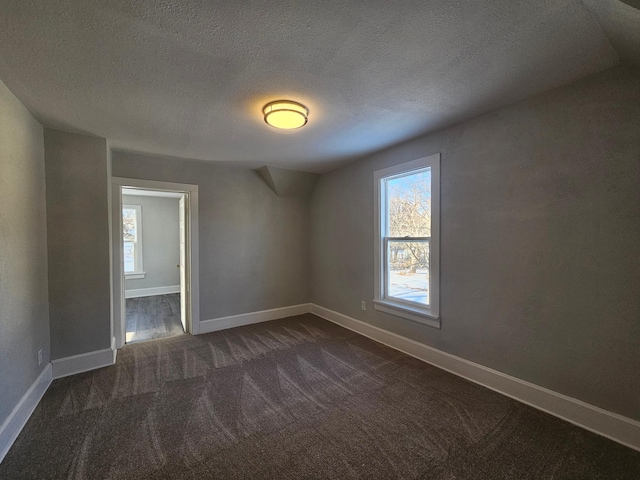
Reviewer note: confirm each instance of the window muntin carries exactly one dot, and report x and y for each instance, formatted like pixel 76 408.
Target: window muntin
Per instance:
pixel 407 246
pixel 132 239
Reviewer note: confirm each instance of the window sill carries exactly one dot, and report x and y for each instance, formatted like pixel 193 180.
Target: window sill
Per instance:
pixel 134 276
pixel 402 310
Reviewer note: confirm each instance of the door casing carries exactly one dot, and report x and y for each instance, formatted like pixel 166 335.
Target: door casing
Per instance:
pixel 192 276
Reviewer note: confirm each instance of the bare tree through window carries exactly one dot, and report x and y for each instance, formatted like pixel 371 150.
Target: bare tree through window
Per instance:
pixel 409 233
pixel 130 236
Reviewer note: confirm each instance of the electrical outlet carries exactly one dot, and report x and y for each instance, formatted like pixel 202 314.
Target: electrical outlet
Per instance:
pixel 363 305
pixel 40 357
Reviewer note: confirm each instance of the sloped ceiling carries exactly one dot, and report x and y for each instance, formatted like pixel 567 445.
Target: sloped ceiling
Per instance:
pixel 620 21
pixel 288 183
pixel 188 78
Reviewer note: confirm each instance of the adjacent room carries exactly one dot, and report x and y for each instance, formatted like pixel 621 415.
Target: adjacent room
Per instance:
pixel 151 236
pixel 283 240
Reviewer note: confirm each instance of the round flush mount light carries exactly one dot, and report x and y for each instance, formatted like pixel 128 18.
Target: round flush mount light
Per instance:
pixel 285 114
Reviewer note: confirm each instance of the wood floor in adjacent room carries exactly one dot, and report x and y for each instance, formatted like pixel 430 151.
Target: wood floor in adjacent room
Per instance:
pixel 153 317
pixel 291 399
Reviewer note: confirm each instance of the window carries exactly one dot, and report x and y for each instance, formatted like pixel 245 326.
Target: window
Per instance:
pixel 132 241
pixel 407 240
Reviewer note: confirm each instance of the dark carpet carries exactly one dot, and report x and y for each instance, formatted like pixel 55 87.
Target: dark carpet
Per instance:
pixel 153 317
pixel 298 398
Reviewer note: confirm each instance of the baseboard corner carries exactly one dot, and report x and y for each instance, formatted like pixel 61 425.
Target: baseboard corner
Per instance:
pixel 84 362
pixel 21 413
pixel 232 321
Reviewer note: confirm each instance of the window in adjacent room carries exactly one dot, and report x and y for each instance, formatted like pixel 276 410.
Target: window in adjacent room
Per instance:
pixel 132 241
pixel 407 240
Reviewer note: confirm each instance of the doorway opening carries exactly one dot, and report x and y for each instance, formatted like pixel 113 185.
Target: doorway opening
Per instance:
pixel 154 253
pixel 158 285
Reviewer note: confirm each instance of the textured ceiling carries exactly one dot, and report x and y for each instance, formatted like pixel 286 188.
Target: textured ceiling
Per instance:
pixel 188 78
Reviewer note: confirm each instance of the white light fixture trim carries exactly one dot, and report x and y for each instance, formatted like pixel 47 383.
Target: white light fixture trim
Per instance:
pixel 285 114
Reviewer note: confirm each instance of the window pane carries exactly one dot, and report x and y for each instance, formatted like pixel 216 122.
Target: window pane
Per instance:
pixel 409 205
pixel 129 224
pixel 408 270
pixel 129 257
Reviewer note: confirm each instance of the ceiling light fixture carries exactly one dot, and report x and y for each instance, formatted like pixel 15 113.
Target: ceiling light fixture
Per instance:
pixel 285 114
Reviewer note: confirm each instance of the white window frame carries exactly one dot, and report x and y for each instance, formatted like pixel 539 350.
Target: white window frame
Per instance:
pixel 138 272
pixel 426 315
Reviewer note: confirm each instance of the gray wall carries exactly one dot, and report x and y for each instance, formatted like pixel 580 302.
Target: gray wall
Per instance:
pixel 540 219
pixel 78 243
pixel 24 307
pixel 160 241
pixel 254 246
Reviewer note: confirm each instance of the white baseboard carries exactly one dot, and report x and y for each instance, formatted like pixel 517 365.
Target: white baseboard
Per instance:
pixel 611 425
pixel 150 292
pixel 63 367
pixel 232 321
pixel 16 421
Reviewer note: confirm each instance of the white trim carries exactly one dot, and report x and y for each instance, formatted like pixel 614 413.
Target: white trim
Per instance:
pixel 118 327
pixel 193 261
pixel 151 291
pixel 595 419
pixel 21 413
pixel 63 367
pixel 136 192
pixel 135 276
pixel 406 311
pixel 232 321
pixel 137 243
pixel 430 315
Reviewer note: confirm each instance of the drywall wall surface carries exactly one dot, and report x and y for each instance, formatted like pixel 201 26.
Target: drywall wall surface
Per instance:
pixel 160 241
pixel 254 245
pixel 78 243
pixel 540 240
pixel 24 307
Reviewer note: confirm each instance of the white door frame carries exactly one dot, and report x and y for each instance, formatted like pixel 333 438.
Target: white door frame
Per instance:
pixel 184 250
pixel 193 274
